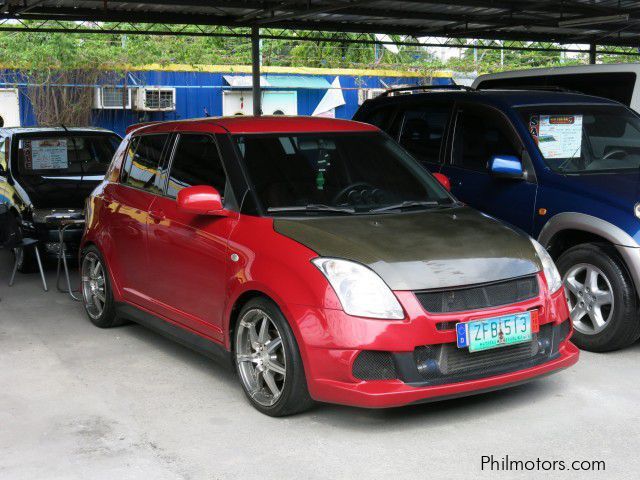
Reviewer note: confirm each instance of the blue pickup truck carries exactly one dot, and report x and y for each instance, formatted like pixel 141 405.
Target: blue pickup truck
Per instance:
pixel 562 166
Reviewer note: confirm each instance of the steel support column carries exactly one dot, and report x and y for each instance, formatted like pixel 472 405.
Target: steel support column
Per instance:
pixel 592 54
pixel 255 70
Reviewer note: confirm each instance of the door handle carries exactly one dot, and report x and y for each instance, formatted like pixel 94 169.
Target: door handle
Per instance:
pixel 157 215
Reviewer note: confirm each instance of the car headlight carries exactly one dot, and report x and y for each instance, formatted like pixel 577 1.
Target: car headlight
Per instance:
pixel 554 280
pixel 360 290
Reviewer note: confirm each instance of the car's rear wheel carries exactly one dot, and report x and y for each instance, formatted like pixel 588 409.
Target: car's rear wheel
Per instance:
pixel 268 360
pixel 601 298
pixel 96 290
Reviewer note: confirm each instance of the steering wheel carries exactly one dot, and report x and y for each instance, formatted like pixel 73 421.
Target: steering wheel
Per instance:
pixel 348 189
pixel 615 152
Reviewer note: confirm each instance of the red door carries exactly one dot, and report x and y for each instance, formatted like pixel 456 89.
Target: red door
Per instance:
pixel 128 211
pixel 188 254
pixel 128 219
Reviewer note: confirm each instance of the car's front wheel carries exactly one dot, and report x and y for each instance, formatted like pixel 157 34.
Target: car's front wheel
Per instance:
pixel 268 360
pixel 601 297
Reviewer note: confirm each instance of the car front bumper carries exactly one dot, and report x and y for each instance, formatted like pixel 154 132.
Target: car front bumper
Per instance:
pixel 415 360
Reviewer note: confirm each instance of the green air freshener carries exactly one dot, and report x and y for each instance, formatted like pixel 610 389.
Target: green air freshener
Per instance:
pixel 320 180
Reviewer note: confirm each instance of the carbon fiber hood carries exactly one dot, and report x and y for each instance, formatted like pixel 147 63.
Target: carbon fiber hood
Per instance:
pixel 421 250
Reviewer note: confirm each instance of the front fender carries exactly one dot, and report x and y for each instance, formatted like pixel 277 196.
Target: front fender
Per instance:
pixel 586 223
pixel 281 271
pixel 624 243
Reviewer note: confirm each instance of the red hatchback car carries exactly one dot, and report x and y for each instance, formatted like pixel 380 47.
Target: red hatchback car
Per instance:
pixel 320 258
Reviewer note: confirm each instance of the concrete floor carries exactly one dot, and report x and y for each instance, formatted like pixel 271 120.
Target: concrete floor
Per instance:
pixel 83 403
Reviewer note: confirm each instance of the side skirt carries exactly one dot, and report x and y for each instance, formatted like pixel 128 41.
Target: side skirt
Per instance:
pixel 180 335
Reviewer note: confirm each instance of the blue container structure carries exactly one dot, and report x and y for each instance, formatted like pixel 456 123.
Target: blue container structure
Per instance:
pixel 199 91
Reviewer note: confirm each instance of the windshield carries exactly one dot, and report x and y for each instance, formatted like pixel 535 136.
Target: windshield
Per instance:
pixel 340 173
pixel 586 139
pixel 58 155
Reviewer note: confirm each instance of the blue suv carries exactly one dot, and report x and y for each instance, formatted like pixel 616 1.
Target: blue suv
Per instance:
pixel 564 167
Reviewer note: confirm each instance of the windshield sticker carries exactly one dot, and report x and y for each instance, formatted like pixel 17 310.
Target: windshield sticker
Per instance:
pixel 48 154
pixel 558 136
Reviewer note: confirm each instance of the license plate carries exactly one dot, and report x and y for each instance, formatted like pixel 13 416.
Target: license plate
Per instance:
pixel 495 332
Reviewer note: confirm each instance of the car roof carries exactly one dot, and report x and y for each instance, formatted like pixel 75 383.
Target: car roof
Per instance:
pixel 265 124
pixel 17 130
pixel 501 97
pixel 566 70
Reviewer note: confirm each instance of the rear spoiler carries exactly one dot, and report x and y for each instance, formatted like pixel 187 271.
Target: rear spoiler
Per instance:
pixel 136 126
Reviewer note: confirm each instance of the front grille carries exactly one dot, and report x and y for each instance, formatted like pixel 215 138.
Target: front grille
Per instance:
pixel 479 296
pixel 446 363
pixel 374 365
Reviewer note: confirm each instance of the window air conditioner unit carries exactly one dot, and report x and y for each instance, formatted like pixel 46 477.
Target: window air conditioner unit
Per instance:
pixel 155 99
pixel 112 98
pixel 368 94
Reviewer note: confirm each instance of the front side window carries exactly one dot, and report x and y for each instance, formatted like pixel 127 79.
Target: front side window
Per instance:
pixel 196 162
pixel 143 159
pixel 481 134
pixel 585 139
pixel 59 155
pixel 336 173
pixel 423 130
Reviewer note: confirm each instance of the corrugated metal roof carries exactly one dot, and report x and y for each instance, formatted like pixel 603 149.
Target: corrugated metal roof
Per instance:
pixel 606 22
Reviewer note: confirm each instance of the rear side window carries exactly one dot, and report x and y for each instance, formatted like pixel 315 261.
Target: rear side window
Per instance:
pixel 481 134
pixel 616 86
pixel 143 159
pixel 423 129
pixel 196 162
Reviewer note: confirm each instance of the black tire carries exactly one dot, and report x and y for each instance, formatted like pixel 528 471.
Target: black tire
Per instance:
pixel 623 327
pixel 107 318
pixel 295 396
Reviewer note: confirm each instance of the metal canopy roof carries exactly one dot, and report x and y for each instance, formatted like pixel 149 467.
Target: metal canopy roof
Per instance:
pixel 603 22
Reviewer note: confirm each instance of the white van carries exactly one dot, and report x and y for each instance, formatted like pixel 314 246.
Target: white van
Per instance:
pixel 619 82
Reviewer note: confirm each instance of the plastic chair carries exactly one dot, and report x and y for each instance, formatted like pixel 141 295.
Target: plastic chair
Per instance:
pixel 10 239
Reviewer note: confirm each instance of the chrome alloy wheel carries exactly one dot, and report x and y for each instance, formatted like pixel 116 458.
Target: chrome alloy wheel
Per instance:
pixel 260 357
pixel 94 287
pixel 590 298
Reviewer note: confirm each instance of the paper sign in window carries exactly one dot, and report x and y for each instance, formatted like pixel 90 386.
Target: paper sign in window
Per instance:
pixel 560 136
pixel 49 154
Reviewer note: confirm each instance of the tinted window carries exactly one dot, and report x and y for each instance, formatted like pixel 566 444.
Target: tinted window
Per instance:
pixel 423 130
pixel 360 171
pixel 141 165
pixel 480 135
pixel 196 162
pixel 380 117
pixel 61 155
pixel 616 86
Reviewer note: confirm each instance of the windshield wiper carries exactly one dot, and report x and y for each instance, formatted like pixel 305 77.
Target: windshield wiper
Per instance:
pixel 312 207
pixel 408 204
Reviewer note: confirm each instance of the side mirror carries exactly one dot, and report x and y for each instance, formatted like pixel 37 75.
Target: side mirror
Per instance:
pixel 506 166
pixel 201 200
pixel 444 180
